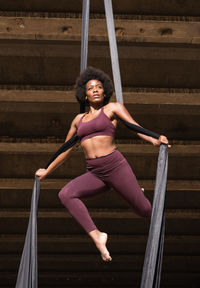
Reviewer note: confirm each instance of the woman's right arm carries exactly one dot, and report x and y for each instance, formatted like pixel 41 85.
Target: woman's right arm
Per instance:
pixel 42 173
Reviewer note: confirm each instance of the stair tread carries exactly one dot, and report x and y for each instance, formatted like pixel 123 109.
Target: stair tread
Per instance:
pixel 37 28
pixel 138 149
pixel 83 238
pixel 190 97
pixel 99 213
pixel 24 183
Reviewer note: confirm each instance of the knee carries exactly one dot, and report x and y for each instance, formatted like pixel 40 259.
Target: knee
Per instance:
pixel 65 195
pixel 145 210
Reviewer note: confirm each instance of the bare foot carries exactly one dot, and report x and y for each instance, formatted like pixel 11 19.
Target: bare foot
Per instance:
pixel 100 242
pixel 100 239
pixel 101 245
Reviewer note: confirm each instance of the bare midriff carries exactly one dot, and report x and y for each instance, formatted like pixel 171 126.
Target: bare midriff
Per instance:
pixel 98 146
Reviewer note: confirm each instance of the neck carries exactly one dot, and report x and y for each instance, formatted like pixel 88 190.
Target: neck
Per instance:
pixel 95 108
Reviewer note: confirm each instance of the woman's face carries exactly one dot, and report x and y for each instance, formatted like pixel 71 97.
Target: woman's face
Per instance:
pixel 94 91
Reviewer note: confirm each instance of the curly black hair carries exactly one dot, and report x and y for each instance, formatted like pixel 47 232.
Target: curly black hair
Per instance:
pixel 88 74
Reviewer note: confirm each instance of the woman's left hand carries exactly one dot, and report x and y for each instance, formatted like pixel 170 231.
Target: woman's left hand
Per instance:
pixel 161 140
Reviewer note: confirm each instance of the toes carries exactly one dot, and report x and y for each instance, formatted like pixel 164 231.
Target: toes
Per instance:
pixel 106 257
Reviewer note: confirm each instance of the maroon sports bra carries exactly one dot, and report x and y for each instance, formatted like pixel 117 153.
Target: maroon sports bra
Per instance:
pixel 101 125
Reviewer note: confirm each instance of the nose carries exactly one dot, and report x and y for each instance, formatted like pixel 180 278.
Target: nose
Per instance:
pixel 95 89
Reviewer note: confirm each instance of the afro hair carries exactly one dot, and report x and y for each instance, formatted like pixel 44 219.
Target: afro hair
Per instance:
pixel 88 74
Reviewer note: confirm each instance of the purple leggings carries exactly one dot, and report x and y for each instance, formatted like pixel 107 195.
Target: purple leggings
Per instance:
pixel 103 172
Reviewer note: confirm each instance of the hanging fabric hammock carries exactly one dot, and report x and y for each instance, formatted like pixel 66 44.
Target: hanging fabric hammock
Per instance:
pixel 28 270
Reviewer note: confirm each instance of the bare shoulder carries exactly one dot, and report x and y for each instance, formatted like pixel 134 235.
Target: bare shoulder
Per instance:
pixel 110 105
pixel 115 106
pixel 111 110
pixel 77 119
pixel 120 112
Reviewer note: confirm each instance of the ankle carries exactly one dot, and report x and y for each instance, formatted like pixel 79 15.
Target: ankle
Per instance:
pixel 94 234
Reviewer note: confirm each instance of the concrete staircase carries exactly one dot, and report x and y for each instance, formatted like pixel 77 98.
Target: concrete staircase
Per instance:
pixel 159 48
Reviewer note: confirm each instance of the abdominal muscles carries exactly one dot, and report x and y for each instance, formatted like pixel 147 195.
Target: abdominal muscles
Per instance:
pixel 98 146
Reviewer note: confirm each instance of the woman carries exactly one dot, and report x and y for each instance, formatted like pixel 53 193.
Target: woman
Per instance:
pixel 106 167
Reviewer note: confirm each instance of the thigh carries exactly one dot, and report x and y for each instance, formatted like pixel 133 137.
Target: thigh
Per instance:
pixel 123 180
pixel 86 186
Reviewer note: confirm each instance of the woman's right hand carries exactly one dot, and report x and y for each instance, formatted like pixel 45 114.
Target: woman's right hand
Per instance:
pixel 41 173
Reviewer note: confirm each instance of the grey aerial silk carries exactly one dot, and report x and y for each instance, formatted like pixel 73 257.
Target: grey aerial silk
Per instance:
pixel 84 34
pixel 153 256
pixel 28 270
pixel 154 249
pixel 113 50
pixel 84 40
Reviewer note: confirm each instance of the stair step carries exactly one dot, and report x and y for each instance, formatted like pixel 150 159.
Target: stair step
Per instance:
pixel 167 50
pixel 183 160
pixel 162 72
pixel 113 221
pixel 82 279
pixel 117 244
pixel 158 111
pixel 137 7
pixel 24 184
pixel 16 193
pixel 93 263
pixel 69 29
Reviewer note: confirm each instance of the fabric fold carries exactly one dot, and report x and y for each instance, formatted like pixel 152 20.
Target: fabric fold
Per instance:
pixel 28 269
pixel 154 249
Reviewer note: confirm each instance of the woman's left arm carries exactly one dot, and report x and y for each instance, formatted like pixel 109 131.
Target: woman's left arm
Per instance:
pixel 121 112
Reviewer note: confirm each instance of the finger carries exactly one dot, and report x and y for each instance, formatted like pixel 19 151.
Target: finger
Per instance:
pixel 169 146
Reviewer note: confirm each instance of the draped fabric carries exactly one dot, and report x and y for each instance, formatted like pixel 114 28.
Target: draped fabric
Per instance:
pixel 140 129
pixel 84 34
pixel 28 272
pixel 154 249
pixel 113 50
pixel 153 257
pixel 68 144
pixel 84 40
